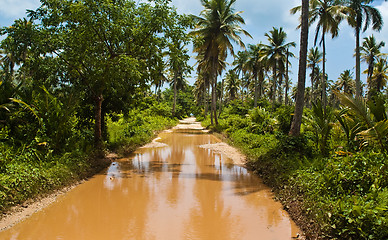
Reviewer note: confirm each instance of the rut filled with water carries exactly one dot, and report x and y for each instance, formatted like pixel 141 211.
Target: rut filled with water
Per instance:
pixel 173 190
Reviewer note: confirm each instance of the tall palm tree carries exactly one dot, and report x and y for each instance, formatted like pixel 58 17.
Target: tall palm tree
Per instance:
pixel 217 26
pixel 314 57
pixel 360 16
pixel 328 15
pixel 370 51
pixel 380 74
pixel 240 63
pixel 178 58
pixel 256 65
pixel 276 52
pixel 299 100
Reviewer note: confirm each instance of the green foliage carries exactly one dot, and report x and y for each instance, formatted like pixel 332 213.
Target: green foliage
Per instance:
pixel 126 132
pixel 28 172
pixel 262 121
pixel 284 116
pixel 373 117
pixel 236 107
pixel 253 145
pixel 348 195
pixel 320 120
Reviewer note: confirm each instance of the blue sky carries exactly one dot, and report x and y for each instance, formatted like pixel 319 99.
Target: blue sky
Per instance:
pixel 260 17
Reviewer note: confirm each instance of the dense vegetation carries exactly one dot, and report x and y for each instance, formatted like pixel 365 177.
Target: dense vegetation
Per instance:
pixel 78 78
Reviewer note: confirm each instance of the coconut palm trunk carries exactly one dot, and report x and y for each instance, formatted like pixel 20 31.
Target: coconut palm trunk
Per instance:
pixel 287 81
pixel 324 93
pixel 214 90
pixel 358 61
pixel 256 87
pixel 299 103
pixel 221 97
pixel 274 85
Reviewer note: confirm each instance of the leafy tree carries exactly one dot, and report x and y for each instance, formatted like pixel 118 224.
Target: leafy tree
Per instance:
pixel 105 44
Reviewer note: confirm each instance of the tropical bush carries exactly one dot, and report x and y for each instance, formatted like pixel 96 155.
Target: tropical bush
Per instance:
pixel 126 132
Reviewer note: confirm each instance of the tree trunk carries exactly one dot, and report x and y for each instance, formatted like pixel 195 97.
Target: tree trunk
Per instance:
pixel 297 119
pixel 280 88
pixel 313 77
pixel 324 93
pixel 287 81
pixel 206 97
pixel 358 70
pixel 261 81
pixel 274 85
pixel 256 87
pixel 174 103
pixel 222 95
pixel 242 89
pixel 214 91
pixel 98 121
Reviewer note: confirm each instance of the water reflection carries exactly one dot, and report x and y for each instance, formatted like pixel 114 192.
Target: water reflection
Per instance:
pixel 180 191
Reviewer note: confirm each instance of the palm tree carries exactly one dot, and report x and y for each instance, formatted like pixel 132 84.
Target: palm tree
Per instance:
pixel 380 75
pixel 178 67
pixel 232 84
pixel 217 27
pixel 314 57
pixel 328 15
pixel 370 51
pixel 360 16
pixel 345 82
pixel 299 101
pixel 256 66
pixel 240 63
pixel 276 52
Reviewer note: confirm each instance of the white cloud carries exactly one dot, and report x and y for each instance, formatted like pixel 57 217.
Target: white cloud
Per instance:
pixel 17 8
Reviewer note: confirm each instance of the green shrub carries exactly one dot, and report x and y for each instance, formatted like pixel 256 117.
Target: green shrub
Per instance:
pixel 136 127
pixel 348 195
pixel 262 121
pixel 284 116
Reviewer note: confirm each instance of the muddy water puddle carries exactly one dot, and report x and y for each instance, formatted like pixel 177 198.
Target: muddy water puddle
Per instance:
pixel 172 192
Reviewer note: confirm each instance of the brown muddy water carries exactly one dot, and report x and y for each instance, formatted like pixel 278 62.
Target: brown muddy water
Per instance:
pixel 172 192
